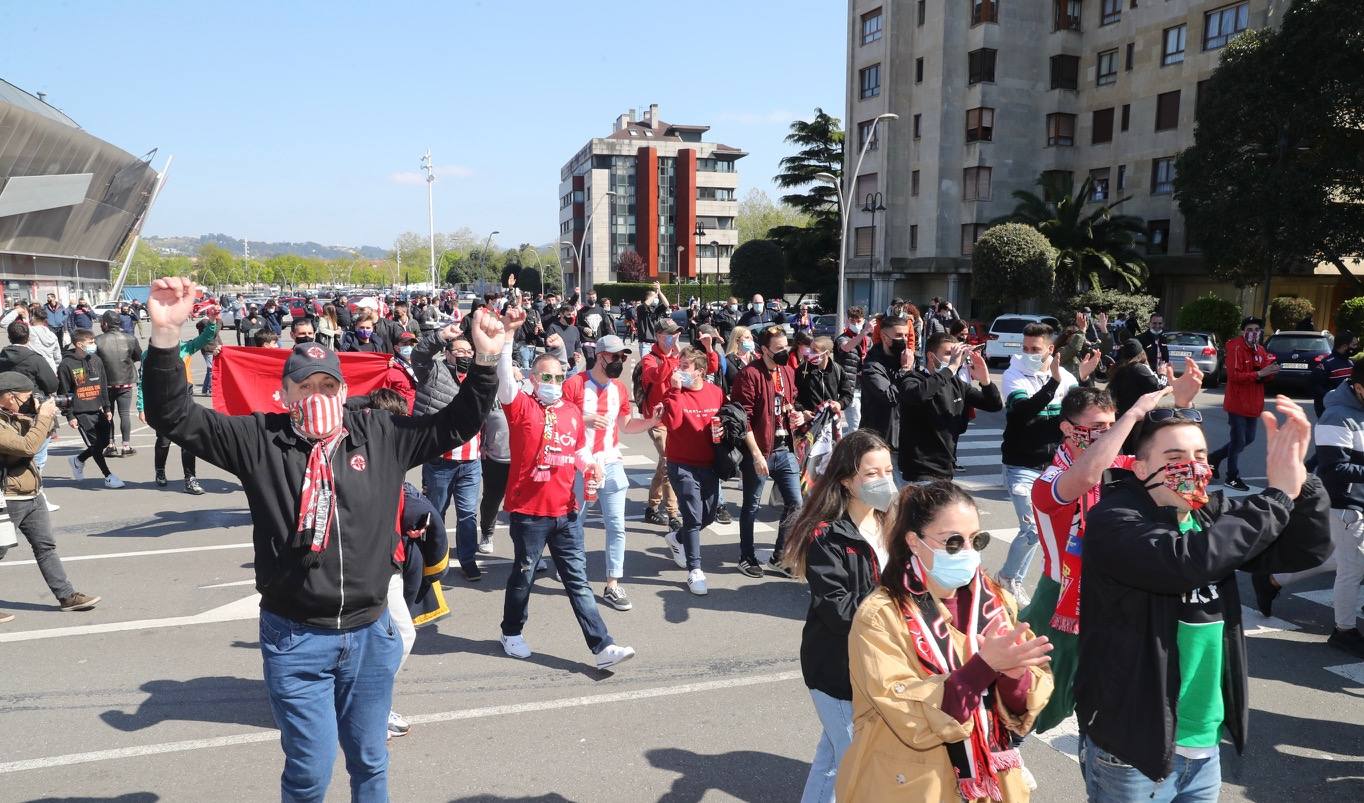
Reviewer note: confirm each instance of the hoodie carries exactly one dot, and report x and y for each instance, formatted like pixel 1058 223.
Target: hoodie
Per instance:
pixel 24 360
pixel 82 375
pixel 1340 448
pixel 1032 415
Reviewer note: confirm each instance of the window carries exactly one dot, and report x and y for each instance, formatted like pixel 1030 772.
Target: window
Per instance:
pixel 1157 236
pixel 1172 51
pixel 871 26
pixel 1126 115
pixel 1167 110
pixel 714 194
pixel 1163 176
pixel 914 183
pixel 922 12
pixel 1122 177
pixel 1060 130
pixel 1131 55
pixel 1063 180
pixel 1107 71
pixel 980 66
pixel 1066 15
pixel 975 185
pixel 1065 72
pixel 1100 189
pixel 1221 25
pixel 984 11
pixel 869 81
pixel 867 183
pixel 970 232
pixel 1103 126
pixel 919 70
pixel 864 130
pixel 913 238
pixel 862 240
pixel 1110 11
pixel 918 119
pixel 980 124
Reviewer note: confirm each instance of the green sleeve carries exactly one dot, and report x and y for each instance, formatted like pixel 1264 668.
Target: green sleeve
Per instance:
pixel 205 337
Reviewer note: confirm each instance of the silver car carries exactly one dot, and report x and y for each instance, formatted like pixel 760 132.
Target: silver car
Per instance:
pixel 1202 348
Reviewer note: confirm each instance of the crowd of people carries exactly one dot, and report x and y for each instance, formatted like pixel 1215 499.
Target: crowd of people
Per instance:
pixel 925 669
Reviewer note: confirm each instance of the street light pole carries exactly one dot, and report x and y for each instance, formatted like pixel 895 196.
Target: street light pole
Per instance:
pixel 582 245
pixel 483 282
pixel 700 232
pixel 431 210
pixel 563 278
pixel 873 205
pixel 716 245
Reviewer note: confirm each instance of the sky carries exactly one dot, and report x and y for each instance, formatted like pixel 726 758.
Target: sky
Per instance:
pixel 307 120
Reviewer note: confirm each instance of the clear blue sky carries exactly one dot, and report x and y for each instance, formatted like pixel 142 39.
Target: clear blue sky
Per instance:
pixel 306 120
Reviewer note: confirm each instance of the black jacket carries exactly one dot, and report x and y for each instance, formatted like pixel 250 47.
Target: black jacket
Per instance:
pixel 31 364
pixel 375 345
pixel 425 559
pixel 82 375
pixel 880 394
pixel 440 387
pixel 1157 351
pixel 814 386
pixel 349 588
pixel 931 407
pixel 121 354
pixel 1131 382
pixel 647 318
pixel 1137 566
pixel 841 569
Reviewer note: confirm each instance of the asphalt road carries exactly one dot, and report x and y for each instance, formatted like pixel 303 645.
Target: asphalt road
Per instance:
pixel 157 694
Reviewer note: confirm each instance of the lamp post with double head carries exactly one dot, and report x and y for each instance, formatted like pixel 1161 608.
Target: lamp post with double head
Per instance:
pixel 699 233
pixel 873 204
pixel 582 246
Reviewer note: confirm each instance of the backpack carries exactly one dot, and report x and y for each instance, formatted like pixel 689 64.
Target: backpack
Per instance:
pixel 637 388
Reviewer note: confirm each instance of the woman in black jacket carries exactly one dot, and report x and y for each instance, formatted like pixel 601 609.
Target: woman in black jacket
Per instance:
pixel 820 380
pixel 839 545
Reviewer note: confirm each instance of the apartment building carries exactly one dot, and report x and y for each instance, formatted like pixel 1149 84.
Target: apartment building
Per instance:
pixel 990 94
pixel 673 200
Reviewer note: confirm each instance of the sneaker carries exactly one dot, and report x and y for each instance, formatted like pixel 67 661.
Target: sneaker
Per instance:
pixel 6 617
pixel 485 545
pixel 161 481
pixel 77 469
pixel 516 647
pixel 112 481
pixel 1265 592
pixel 674 523
pixel 192 487
pixel 1347 640
pixel 779 569
pixel 1236 484
pixel 1015 587
pixel 722 515
pixel 78 602
pixel 397 726
pixel 128 450
pixel 111 451
pixel 750 567
pixel 614 654
pixel 652 516
pixel 51 508
pixel 675 546
pixel 696 582
pixel 615 596
pixel 471 571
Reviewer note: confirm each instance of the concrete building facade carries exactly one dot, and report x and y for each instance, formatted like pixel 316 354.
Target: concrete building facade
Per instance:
pixel 666 181
pixel 991 94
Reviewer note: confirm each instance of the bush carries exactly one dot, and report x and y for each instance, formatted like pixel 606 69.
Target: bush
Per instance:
pixel 1286 312
pixel 1141 305
pixel 630 267
pixel 1211 313
pixel 758 266
pixel 630 292
pixel 1012 261
pixel 1350 316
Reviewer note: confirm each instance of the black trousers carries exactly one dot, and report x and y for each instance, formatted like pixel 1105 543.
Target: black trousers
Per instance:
pixel 97 431
pixel 494 488
pixel 161 451
pixel 121 401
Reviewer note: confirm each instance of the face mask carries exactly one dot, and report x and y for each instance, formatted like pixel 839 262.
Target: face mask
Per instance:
pixel 954 571
pixel 855 327
pixel 653 302
pixel 815 358
pixel 1252 337
pixel 1187 478
pixel 591 301
pixel 405 352
pixel 319 415
pixel 898 346
pixel 548 393
pixel 1030 363
pixel 756 307
pixel 303 339
pixel 1081 437
pixel 1155 330
pixel 462 364
pixel 878 493
pixel 747 346
pixel 363 334
pixel 733 308
pixel 614 369
pixel 806 354
pixel 781 357
pixel 91 348
pixel 666 341
pixel 686 377
pixel 569 319
pixel 606 308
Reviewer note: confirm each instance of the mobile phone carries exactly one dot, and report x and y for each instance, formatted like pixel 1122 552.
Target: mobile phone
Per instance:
pixel 424 522
pixel 979 347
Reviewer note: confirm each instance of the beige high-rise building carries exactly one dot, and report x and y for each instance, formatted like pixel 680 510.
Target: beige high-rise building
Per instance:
pixel 993 93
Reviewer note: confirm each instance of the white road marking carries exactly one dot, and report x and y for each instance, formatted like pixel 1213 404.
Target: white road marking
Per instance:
pixel 259 737
pixel 1255 624
pixel 1354 672
pixel 972 484
pixel 232 584
pixel 733 527
pixel 978 446
pixel 142 553
pixel 972 432
pixel 638 460
pixel 979 460
pixel 1322 596
pixel 245 608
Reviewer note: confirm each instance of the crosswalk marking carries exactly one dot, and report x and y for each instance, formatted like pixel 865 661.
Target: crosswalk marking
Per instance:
pixel 1323 596
pixel 978 460
pixel 1354 672
pixel 1256 624
pixel 980 446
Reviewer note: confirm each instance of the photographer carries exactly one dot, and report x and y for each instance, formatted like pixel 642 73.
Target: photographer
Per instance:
pixel 24 429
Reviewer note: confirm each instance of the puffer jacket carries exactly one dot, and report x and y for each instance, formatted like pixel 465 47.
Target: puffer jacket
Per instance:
pixel 121 354
pixel 20 438
pixel 439 389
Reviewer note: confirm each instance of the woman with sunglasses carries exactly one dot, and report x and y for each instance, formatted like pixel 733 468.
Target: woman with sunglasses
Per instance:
pixel 943 675
pixel 839 546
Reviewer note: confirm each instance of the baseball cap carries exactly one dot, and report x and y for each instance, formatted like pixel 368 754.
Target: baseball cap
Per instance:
pixel 15 382
pixel 612 344
pixel 311 358
pixel 667 326
pixel 407 337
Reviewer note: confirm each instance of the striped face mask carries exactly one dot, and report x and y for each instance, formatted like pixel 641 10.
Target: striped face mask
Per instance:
pixel 318 415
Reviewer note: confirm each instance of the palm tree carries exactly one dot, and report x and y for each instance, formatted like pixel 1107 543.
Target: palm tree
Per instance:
pixel 1090 247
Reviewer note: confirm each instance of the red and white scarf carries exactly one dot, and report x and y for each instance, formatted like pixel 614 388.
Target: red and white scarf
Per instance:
pixel 314 415
pixel 551 453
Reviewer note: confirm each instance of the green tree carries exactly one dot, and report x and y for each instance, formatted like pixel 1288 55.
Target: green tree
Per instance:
pixel 1012 261
pixel 1093 248
pixel 758 216
pixel 1210 313
pixel 758 266
pixel 216 266
pixel 1274 182
pixel 820 141
pixel 1350 316
pixel 630 266
pixel 1286 312
pixel 1103 299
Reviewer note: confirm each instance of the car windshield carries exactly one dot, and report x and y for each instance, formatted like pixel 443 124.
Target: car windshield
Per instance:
pixel 1299 343
pixel 1185 339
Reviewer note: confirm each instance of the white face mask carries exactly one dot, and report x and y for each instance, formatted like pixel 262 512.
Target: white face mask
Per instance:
pixel 855 327
pixel 1030 363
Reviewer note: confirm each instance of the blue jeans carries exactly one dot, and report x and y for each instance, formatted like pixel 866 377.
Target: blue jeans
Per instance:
pixel 698 494
pixel 837 718
pixel 783 470
pixel 326 685
pixel 1110 780
pixel 1242 435
pixel 564 537
pixel 40 457
pixel 460 479
pixel 208 375
pixel 611 502
pixel 1018 483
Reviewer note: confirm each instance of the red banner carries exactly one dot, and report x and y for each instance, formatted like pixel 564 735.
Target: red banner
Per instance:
pixel 249 380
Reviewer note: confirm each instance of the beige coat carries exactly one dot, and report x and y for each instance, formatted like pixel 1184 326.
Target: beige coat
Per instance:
pixel 898 749
pixel 20 438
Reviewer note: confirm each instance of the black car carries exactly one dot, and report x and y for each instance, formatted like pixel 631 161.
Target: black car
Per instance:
pixel 1296 353
pixel 824 325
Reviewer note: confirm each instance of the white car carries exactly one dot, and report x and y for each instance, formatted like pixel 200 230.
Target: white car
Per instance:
pixel 1006 335
pixel 109 306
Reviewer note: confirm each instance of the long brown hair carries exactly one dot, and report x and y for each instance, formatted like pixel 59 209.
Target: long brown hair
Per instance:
pixel 915 508
pixel 828 499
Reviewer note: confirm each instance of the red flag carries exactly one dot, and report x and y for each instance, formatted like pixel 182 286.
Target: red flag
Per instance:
pixel 248 380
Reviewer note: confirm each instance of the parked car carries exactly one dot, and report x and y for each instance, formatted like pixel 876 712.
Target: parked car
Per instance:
pixel 1202 348
pixel 824 325
pixel 1005 338
pixel 1296 353
pixel 111 306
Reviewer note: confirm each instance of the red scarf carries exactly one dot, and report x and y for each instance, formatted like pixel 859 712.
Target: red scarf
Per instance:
pixel 317 500
pixel 551 453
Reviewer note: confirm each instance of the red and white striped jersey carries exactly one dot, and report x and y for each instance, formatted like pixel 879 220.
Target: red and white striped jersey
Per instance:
pixel 468 451
pixel 611 400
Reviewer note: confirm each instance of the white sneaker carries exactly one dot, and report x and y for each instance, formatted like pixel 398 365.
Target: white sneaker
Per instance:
pixel 679 554
pixel 696 582
pixel 397 726
pixel 112 481
pixel 51 508
pixel 516 647
pixel 614 654
pixel 77 469
pixel 485 546
pixel 1015 587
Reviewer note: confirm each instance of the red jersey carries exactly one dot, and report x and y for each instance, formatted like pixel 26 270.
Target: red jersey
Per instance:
pixel 526 429
pixel 687 415
pixel 612 401
pixel 1059 522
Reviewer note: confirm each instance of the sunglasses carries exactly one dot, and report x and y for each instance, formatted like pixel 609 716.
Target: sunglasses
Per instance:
pixel 557 379
pixel 956 541
pixel 1162 414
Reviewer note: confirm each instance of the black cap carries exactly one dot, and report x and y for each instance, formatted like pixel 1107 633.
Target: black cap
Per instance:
pixel 1130 348
pixel 311 358
pixel 1253 321
pixel 15 382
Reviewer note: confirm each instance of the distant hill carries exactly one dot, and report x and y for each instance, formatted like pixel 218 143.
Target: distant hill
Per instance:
pixel 189 246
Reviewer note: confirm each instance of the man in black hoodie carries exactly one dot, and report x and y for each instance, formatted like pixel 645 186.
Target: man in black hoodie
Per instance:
pixel 82 376
pixel 886 362
pixel 18 356
pixel 1162 664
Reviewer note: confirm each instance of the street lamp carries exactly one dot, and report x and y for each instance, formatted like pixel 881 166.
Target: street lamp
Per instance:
pixel 843 197
pixel 587 227
pixel 563 278
pixel 873 205
pixel 700 232
pixel 677 266
pixel 716 245
pixel 431 210
pixel 482 280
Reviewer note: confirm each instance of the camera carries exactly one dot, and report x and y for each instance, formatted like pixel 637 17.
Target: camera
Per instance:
pixel 62 400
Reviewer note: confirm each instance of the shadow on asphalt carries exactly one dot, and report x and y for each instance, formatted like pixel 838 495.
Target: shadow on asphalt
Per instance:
pixel 226 699
pixel 131 797
pixel 433 642
pixel 743 774
pixel 172 522
pixel 550 798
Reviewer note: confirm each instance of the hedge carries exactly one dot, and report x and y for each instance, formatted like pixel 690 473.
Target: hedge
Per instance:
pixel 620 292
pixel 1350 316
pixel 1286 312
pixel 1211 313
pixel 1141 305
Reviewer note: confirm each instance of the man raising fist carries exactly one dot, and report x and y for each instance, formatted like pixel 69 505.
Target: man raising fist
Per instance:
pixel 323 486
